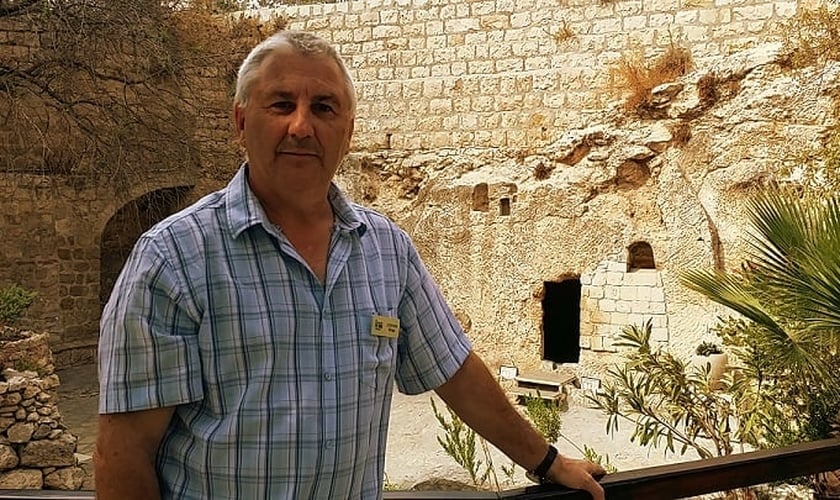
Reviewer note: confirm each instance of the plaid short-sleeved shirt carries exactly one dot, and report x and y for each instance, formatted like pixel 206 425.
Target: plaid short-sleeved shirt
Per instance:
pixel 281 390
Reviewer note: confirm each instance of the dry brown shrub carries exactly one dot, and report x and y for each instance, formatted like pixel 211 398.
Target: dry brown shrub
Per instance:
pixel 711 89
pixel 811 37
pixel 542 172
pixel 112 90
pixel 707 89
pixel 634 75
pixel 680 133
pixel 564 33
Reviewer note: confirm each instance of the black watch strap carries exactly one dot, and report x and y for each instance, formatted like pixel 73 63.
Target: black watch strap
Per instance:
pixel 541 470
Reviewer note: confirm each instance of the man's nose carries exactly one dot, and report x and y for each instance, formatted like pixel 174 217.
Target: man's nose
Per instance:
pixel 301 123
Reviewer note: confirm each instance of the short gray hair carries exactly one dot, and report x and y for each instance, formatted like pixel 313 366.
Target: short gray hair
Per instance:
pixel 299 42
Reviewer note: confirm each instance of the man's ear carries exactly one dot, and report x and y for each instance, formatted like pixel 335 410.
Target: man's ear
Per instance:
pixel 239 122
pixel 350 133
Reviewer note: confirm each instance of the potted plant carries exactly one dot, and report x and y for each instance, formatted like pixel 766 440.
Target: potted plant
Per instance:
pixel 710 357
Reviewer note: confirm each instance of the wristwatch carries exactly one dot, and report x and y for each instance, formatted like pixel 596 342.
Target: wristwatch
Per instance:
pixel 538 474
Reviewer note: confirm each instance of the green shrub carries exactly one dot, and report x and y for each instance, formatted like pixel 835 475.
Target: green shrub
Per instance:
pixel 545 415
pixel 667 403
pixel 14 301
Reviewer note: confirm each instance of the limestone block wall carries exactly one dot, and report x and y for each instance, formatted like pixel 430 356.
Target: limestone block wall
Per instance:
pixel 505 73
pixel 36 451
pixel 612 298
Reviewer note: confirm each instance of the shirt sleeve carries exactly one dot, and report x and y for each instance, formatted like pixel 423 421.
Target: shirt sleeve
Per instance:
pixel 432 345
pixel 148 343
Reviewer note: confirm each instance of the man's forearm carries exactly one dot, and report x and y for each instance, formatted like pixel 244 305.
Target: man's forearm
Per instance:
pixel 121 477
pixel 126 449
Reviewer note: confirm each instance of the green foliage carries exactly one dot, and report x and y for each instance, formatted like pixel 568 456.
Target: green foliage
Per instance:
pixel 602 460
pixel 707 348
pixel 788 293
pixel 545 415
pixel 790 286
pixel 546 418
pixel 27 365
pixel 778 406
pixel 14 301
pixel 459 442
pixel 667 403
pixel 387 485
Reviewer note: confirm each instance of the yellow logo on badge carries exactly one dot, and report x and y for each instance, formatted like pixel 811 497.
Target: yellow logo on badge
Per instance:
pixel 384 326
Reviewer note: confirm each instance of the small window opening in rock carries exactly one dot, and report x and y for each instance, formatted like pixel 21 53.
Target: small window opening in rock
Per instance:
pixel 561 321
pixel 480 198
pixel 504 206
pixel 640 256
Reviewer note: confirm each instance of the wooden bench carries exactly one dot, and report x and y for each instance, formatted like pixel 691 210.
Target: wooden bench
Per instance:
pixel 548 386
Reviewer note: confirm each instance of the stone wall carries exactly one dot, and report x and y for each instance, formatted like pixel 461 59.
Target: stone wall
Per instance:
pixel 52 231
pixel 613 297
pixel 510 73
pixel 36 451
pixel 453 95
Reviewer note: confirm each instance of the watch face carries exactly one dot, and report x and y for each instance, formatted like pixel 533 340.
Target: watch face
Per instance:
pixel 534 478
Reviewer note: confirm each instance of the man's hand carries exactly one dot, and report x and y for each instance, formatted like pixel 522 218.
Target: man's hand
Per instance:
pixel 479 401
pixel 577 474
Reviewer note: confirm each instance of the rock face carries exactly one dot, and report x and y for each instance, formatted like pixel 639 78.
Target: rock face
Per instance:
pixel 617 208
pixel 36 451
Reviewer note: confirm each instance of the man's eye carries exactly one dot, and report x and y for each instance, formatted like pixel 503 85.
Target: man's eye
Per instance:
pixel 320 107
pixel 283 106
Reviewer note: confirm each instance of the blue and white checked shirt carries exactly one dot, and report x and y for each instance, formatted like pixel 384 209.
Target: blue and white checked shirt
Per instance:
pixel 281 391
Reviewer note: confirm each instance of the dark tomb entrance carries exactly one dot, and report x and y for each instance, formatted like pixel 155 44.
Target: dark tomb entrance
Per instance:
pixel 561 321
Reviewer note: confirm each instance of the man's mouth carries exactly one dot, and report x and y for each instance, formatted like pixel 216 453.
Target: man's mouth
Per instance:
pixel 298 153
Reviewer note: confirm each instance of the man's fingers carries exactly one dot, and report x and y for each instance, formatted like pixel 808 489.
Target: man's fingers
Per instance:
pixel 594 489
pixel 596 470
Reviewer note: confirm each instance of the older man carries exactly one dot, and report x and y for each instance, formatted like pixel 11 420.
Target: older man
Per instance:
pixel 251 344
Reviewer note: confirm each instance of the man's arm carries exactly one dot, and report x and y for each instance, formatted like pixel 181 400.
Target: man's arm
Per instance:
pixel 479 401
pixel 124 459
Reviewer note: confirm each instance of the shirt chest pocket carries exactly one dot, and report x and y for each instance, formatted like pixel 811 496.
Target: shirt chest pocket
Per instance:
pixel 376 354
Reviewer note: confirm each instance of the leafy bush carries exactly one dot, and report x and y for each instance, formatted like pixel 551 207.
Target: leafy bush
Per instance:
pixel 788 293
pixel 545 415
pixel 14 301
pixel 666 402
pixel 459 442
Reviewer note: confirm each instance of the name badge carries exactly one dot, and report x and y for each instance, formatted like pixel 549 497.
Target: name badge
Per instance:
pixel 384 326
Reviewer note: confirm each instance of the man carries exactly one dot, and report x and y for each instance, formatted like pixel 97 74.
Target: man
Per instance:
pixel 251 343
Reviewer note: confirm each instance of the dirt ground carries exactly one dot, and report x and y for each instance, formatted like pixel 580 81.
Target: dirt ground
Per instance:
pixel 414 454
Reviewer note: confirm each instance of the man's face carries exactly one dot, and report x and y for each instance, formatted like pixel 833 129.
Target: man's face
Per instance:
pixel 297 122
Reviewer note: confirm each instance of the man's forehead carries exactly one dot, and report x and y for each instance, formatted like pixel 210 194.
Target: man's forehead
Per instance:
pixel 289 73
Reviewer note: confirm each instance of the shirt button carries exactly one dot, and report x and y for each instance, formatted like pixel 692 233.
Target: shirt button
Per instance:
pixel 328 376
pixel 329 443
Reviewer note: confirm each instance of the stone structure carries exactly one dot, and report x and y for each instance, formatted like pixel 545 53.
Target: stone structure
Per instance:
pixel 36 451
pixel 510 73
pixel 487 129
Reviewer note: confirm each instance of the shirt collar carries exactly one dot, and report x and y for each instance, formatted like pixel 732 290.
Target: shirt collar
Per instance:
pixel 244 209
